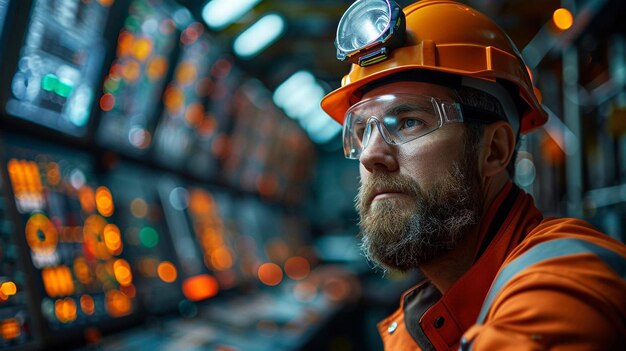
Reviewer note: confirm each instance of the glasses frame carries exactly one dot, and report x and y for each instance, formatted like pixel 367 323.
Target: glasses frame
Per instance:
pixel 445 110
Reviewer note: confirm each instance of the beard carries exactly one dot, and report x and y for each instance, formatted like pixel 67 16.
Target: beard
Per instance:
pixel 402 235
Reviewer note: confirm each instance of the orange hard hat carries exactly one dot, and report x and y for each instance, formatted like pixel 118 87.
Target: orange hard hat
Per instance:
pixel 449 37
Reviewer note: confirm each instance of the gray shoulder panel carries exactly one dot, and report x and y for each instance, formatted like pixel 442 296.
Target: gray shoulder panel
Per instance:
pixel 546 251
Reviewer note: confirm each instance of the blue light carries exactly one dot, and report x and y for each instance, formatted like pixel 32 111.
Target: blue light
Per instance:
pixel 259 36
pixel 218 14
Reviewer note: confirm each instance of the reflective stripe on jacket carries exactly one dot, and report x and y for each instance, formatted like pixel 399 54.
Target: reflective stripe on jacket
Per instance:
pixel 559 287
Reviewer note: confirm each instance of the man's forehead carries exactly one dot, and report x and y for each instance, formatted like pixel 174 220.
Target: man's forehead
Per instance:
pixel 408 87
pixel 393 104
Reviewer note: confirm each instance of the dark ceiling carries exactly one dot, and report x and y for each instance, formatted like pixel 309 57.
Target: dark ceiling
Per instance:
pixel 308 42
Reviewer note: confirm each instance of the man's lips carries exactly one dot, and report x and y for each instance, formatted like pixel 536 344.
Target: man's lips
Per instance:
pixel 383 193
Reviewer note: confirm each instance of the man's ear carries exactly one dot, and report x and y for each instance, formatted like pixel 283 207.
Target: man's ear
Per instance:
pixel 499 146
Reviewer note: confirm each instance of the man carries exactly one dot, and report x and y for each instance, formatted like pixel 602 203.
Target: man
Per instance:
pixel 432 108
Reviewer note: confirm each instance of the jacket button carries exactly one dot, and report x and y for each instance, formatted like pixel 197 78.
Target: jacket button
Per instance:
pixel 465 345
pixel 392 327
pixel 439 322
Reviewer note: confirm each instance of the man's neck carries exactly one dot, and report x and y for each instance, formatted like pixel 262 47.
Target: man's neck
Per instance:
pixel 445 270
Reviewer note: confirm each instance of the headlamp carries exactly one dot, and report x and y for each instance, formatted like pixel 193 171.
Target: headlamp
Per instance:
pixel 369 30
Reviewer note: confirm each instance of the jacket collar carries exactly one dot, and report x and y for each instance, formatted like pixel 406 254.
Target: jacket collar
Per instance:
pixel 438 322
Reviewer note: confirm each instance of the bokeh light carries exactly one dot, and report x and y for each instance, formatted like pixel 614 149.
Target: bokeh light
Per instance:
pixel 297 268
pixel 167 272
pixel 563 18
pixel 270 274
pixel 200 287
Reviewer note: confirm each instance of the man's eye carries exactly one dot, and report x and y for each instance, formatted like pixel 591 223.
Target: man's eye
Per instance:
pixel 411 123
pixel 359 129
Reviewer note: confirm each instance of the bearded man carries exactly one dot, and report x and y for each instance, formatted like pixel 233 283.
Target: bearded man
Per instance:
pixel 432 109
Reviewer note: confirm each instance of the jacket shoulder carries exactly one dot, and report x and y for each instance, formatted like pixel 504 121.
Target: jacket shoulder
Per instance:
pixel 561 285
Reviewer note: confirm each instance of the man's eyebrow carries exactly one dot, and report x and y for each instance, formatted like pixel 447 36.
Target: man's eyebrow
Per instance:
pixel 406 107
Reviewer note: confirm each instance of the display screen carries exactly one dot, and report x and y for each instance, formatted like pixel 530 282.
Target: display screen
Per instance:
pixel 184 118
pixel 200 239
pixel 148 244
pixel 279 240
pixel 134 85
pixel 16 322
pixel 74 243
pixel 191 135
pixel 60 64
pixel 270 154
pixel 3 11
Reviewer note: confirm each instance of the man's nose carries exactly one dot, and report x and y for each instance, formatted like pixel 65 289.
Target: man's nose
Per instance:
pixel 376 153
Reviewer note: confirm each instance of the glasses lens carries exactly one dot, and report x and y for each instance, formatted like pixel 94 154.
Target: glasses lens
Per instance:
pixel 363 23
pixel 403 117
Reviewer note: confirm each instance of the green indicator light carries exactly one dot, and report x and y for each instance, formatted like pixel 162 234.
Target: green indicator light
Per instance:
pixel 111 85
pixel 132 23
pixel 64 89
pixel 49 82
pixel 148 237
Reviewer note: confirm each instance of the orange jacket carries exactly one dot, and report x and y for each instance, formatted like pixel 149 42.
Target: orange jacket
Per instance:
pixel 560 285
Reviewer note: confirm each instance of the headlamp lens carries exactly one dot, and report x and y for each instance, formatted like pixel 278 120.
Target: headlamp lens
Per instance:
pixel 362 24
pixel 369 30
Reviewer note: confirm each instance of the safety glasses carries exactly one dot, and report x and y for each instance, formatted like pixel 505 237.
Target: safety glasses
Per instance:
pixel 399 118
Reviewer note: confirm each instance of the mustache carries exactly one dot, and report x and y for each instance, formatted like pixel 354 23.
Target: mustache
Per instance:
pixel 385 182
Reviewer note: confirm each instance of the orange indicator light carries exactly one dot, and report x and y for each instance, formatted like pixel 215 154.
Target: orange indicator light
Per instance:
pixel 10 329
pixel 142 48
pixel 122 272
pixel 87 305
pixel 82 271
pixel 113 239
pixel 117 304
pixel 87 199
pixel 106 3
pixel 124 44
pixel 186 73
pixel 194 115
pixel 270 274
pixel 222 258
pixel 8 288
pixel 200 287
pixel 93 237
pixel 129 291
pixel 157 67
pixel 173 99
pixel 167 272
pixel 297 268
pixel 41 234
pixel 65 310
pixel 563 18
pixel 131 70
pixel 57 281
pixel 104 201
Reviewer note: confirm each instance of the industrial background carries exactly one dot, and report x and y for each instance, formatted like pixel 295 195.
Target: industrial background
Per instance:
pixel 169 181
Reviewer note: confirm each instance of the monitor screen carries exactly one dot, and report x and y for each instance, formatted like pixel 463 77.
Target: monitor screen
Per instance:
pixel 185 121
pixel 133 87
pixel 280 241
pixel 74 243
pixel 17 326
pixel 269 154
pixel 201 237
pixel 147 241
pixel 60 64
pixel 3 11
pixel 191 135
